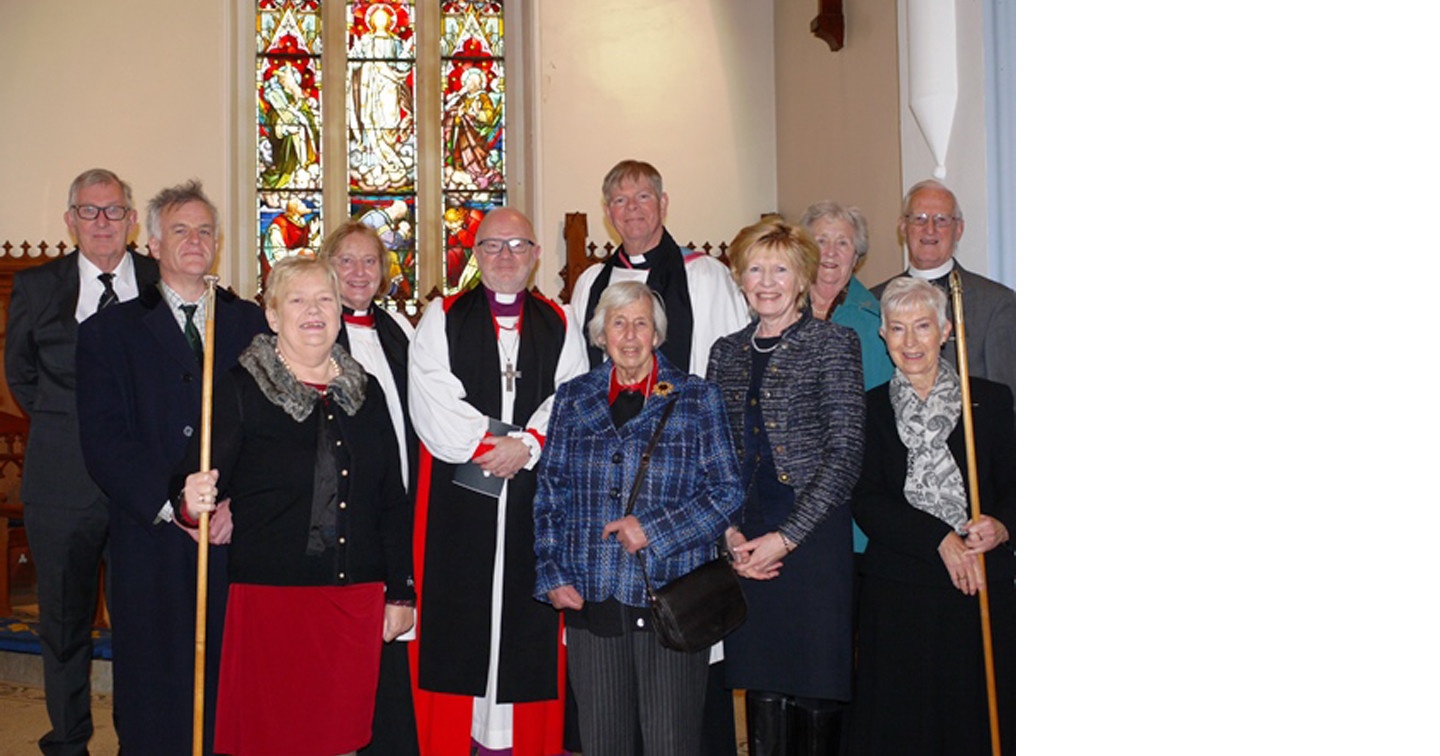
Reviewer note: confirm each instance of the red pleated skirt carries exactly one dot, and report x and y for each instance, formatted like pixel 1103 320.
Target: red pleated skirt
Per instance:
pixel 298 669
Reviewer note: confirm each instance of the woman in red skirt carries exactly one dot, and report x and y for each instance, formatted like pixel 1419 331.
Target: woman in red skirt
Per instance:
pixel 320 562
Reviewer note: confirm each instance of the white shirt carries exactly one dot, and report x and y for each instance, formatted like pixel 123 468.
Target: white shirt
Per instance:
pixel 91 289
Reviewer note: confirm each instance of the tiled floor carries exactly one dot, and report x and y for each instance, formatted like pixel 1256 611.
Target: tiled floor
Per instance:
pixel 23 721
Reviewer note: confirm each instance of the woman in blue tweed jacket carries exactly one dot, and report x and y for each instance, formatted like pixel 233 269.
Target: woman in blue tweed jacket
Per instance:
pixel 585 544
pixel 793 391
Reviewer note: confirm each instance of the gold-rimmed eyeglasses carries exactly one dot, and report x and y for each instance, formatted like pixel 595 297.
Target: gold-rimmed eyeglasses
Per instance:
pixel 921 220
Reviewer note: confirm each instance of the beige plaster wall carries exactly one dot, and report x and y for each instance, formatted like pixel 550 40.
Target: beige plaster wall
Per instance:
pixel 965 160
pixel 836 129
pixel 141 87
pixel 688 85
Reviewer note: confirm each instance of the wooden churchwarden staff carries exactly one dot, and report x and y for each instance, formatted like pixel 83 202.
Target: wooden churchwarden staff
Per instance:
pixel 202 571
pixel 963 365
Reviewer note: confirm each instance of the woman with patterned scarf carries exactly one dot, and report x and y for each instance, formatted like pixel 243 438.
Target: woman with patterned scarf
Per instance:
pixel 921 685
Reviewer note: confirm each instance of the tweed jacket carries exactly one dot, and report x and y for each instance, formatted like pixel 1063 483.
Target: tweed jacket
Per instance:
pixel 813 403
pixel 687 499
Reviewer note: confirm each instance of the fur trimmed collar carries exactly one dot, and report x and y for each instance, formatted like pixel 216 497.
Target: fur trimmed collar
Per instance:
pixel 286 392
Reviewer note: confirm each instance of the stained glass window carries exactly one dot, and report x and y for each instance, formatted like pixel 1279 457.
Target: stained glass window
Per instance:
pixel 288 123
pixel 380 123
pixel 392 216
pixel 381 128
pixel 472 49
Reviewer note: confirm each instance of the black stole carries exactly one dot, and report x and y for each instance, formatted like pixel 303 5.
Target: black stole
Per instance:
pixel 396 347
pixel 461 538
pixel 666 263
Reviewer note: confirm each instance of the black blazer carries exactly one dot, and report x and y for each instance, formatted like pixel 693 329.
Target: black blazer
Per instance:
pixel 40 337
pixel 903 539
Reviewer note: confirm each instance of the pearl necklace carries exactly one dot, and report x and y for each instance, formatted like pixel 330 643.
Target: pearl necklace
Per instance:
pixel 334 366
pixel 756 346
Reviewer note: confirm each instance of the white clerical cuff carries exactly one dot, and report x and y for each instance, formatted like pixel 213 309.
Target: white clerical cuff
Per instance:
pixel 533 443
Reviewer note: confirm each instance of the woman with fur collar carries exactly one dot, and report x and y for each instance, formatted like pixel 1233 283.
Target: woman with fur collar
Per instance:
pixel 320 555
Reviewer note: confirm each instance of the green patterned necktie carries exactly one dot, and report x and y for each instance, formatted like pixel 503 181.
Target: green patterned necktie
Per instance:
pixel 192 334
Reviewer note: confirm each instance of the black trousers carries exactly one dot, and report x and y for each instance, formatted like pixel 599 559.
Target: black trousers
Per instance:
pixel 68 546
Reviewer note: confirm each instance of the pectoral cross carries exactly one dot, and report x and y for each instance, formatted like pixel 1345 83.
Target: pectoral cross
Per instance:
pixel 510 374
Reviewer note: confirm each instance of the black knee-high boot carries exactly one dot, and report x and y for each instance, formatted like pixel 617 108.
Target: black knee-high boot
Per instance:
pixel 767 723
pixel 815 727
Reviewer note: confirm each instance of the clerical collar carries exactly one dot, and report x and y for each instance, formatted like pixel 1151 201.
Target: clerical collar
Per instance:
pixel 934 273
pixel 636 261
pixel 355 317
pixel 642 388
pixel 505 305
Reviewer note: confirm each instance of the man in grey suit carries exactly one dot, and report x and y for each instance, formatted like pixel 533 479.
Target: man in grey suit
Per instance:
pixel 931 222
pixel 66 515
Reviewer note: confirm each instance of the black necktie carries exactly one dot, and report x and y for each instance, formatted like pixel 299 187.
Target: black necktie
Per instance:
pixel 107 297
pixel 192 334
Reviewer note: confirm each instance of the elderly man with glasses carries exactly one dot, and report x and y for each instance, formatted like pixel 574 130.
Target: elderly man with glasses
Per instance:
pixel 931 224
pixel 483 367
pixel 66 514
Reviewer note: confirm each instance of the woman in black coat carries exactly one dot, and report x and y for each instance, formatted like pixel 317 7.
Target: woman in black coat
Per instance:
pixel 921 686
pixel 320 565
pixel 794 396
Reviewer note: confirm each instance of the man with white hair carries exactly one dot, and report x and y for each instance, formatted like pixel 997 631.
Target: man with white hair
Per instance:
pixel 931 223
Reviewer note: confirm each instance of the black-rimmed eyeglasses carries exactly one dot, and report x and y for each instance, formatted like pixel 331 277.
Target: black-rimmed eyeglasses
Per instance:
pixel 91 212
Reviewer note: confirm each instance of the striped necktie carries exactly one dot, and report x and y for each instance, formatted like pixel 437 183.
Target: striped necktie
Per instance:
pixel 107 297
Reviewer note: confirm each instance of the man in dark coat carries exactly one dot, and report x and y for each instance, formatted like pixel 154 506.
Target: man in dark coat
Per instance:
pixel 138 389
pixel 66 519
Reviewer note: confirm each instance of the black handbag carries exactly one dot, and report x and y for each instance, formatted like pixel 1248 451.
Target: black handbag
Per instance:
pixel 698 609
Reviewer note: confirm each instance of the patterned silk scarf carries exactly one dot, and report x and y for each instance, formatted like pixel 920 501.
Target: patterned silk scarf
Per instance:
pixel 933 482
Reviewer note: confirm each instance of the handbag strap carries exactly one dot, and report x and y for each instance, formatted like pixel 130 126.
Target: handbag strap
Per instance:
pixel 645 458
pixel 643 468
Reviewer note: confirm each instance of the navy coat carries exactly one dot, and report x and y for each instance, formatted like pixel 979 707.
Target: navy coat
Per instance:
pixel 138 391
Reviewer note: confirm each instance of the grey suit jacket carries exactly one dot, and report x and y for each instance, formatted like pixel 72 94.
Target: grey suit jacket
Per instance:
pixel 989 325
pixel 40 335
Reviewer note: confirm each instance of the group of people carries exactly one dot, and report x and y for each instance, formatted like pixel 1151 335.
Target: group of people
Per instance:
pixel 439 539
